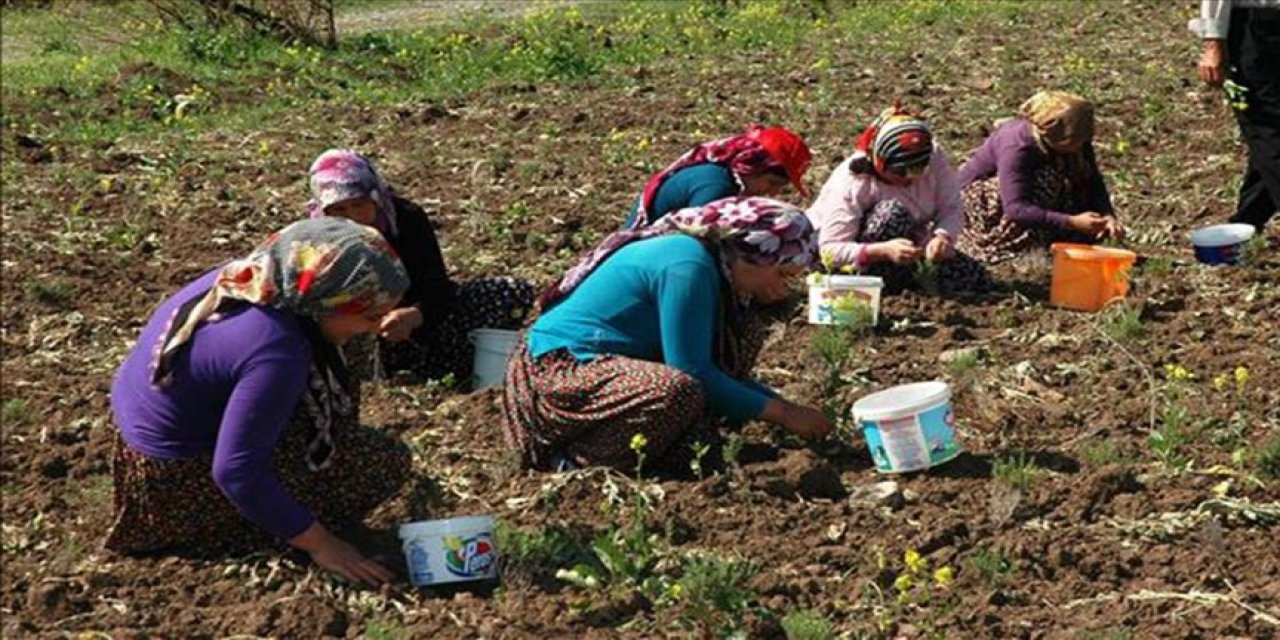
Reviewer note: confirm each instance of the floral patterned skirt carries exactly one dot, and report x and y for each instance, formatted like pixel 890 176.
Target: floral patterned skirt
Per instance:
pixel 990 237
pixel 889 220
pixel 173 504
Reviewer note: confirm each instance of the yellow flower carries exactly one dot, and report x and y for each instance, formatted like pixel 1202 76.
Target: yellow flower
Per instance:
pixel 638 442
pixel 943 576
pixel 902 583
pixel 1220 382
pixel 915 563
pixel 1177 372
pixel 676 590
pixel 1242 377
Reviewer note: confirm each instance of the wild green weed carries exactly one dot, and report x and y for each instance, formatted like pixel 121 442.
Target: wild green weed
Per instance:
pixel 992 566
pixel 1122 323
pixel 807 625
pixel 1017 471
pixel 539 552
pixel 1269 458
pixel 15 411
pixel 52 292
pixel 382 628
pixel 964 363
pixel 713 592
pixel 1101 452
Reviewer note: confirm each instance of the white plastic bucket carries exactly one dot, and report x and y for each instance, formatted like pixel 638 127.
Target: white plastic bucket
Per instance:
pixel 493 348
pixel 908 427
pixel 832 298
pixel 452 550
pixel 1221 243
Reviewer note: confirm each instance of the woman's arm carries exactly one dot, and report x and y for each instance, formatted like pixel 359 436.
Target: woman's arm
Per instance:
pixel 838 218
pixel 1016 165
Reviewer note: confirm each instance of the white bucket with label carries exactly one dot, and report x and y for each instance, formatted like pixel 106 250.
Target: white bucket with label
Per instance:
pixel 493 348
pixel 452 550
pixel 834 299
pixel 908 427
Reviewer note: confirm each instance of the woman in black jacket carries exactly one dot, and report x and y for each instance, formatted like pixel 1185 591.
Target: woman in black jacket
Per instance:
pixel 428 333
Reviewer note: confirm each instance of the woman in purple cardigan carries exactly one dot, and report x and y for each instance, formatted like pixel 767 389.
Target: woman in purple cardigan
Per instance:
pixel 237 416
pixel 1035 181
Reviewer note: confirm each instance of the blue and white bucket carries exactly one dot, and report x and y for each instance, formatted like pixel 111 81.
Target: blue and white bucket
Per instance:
pixel 1221 243
pixel 452 550
pixel 909 427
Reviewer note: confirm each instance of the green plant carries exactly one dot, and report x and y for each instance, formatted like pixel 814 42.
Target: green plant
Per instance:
pixel 541 551
pixel 700 451
pixel 964 363
pixel 713 592
pixel 1254 249
pixel 15 411
pixel 1167 441
pixel 927 277
pixel 1156 266
pixel 917 590
pixel 1016 471
pixel 992 566
pixel 52 292
pixel 1269 458
pixel 1122 323
pixel 807 625
pixel 1102 452
pixel 385 629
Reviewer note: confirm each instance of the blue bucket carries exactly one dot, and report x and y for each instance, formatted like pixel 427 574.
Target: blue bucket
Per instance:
pixel 1221 243
pixel 909 427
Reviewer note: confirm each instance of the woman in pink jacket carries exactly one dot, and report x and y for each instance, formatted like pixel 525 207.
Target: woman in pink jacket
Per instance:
pixel 893 204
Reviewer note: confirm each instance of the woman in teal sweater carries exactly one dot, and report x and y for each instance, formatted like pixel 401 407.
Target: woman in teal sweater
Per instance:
pixel 642 338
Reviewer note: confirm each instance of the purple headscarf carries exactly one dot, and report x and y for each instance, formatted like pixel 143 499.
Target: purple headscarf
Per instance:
pixel 761 231
pixel 342 174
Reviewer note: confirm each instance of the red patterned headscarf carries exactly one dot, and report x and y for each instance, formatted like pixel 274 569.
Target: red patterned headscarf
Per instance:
pixel 758 150
pixel 897 141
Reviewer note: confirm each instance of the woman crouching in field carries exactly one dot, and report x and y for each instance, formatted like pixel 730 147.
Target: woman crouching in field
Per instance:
pixel 1035 180
pixel 642 338
pixel 237 416
pixel 894 203
pixel 428 332
pixel 760 162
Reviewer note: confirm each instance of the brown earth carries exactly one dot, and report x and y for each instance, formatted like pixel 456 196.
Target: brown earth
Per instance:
pixel 1104 541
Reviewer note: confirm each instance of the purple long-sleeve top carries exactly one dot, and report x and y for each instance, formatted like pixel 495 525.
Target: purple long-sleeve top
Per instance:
pixel 233 390
pixel 1011 154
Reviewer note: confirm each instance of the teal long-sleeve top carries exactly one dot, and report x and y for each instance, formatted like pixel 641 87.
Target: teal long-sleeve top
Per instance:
pixel 657 300
pixel 692 186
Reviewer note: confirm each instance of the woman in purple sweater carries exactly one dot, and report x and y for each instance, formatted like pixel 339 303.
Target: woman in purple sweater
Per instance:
pixel 1035 181
pixel 236 414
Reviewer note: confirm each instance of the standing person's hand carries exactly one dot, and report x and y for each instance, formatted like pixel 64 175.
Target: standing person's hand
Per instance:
pixel 939 249
pixel 400 323
pixel 1212 68
pixel 1089 223
pixel 897 251
pixel 333 554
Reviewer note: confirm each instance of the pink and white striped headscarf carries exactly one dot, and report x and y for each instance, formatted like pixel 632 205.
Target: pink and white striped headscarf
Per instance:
pixel 338 175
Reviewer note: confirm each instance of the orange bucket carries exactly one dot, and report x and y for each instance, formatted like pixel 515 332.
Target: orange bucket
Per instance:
pixel 1087 278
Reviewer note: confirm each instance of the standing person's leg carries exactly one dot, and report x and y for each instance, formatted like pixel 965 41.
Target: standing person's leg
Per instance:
pixel 1254 59
pixel 589 412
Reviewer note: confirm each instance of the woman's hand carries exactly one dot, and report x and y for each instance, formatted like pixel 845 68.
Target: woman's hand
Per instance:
pixel 1212 68
pixel 333 554
pixel 398 325
pixel 939 249
pixel 1113 229
pixel 806 422
pixel 1089 223
pixel 897 251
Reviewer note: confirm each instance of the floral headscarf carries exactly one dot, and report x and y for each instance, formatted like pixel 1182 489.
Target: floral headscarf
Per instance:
pixel 1062 121
pixel 897 140
pixel 313 268
pixel 757 150
pixel 759 230
pixel 342 174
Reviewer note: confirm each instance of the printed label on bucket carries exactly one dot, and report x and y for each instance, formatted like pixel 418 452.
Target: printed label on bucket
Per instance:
pixel 913 443
pixel 843 307
pixel 471 557
pixel 419 565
